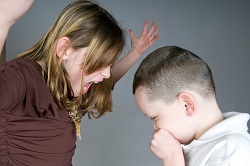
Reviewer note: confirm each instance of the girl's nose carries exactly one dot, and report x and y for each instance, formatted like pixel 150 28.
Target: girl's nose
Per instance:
pixel 106 72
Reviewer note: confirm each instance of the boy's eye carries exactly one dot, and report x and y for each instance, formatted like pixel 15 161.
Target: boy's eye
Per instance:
pixel 152 118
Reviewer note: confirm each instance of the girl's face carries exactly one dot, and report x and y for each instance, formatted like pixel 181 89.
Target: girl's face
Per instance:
pixel 73 64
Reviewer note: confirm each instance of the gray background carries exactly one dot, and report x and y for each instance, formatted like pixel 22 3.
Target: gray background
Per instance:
pixel 217 31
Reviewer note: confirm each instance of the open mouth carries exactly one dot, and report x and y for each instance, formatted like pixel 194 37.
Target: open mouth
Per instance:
pixel 86 87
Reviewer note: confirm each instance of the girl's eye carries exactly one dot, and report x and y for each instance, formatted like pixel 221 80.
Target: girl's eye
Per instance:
pixel 152 118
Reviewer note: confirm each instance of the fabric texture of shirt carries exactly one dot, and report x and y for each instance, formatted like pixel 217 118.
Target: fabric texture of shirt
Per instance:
pixel 33 131
pixel 225 144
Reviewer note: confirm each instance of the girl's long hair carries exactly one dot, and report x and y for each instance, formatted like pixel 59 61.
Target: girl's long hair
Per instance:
pixel 86 24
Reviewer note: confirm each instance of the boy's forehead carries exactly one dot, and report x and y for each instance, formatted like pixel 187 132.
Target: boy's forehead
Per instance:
pixel 140 96
pixel 142 99
pixel 140 92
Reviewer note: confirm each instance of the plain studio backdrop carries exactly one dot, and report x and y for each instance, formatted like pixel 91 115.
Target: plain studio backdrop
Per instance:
pixel 217 31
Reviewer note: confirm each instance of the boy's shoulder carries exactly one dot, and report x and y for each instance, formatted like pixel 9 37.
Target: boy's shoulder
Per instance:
pixel 232 143
pixel 227 143
pixel 239 141
pixel 237 151
pixel 232 148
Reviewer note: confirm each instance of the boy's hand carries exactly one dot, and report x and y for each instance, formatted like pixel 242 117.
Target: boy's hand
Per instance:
pixel 167 148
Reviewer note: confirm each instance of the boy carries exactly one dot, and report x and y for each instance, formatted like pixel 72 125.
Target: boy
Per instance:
pixel 176 89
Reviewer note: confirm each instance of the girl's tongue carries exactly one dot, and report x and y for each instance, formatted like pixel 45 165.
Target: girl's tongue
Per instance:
pixel 86 87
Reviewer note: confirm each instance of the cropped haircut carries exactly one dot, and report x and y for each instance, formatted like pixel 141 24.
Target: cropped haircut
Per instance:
pixel 86 24
pixel 170 70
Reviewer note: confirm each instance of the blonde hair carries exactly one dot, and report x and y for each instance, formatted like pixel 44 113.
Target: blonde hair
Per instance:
pixel 86 24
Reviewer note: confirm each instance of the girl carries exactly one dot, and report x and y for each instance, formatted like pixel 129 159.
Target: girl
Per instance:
pixel 69 72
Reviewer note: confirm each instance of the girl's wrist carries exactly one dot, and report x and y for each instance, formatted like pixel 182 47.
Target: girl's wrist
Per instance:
pixel 135 52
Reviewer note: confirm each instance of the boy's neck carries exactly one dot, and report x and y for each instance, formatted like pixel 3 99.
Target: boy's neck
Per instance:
pixel 209 116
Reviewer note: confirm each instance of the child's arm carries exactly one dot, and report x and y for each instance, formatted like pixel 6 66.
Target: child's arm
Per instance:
pixel 138 47
pixel 167 148
pixel 10 12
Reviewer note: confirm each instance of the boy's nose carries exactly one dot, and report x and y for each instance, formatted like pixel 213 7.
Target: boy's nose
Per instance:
pixel 155 127
pixel 106 72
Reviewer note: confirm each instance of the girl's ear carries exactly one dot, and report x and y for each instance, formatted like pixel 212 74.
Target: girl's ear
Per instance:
pixel 188 103
pixel 61 46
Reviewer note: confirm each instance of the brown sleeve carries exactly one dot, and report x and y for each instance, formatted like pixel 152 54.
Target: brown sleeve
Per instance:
pixel 12 86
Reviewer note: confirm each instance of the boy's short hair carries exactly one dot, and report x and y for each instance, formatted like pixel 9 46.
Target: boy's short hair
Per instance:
pixel 170 70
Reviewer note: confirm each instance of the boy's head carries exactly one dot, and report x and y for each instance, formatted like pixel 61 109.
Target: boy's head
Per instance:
pixel 167 86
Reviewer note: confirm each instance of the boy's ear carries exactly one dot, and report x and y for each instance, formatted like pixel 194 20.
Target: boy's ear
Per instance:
pixel 188 103
pixel 61 46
